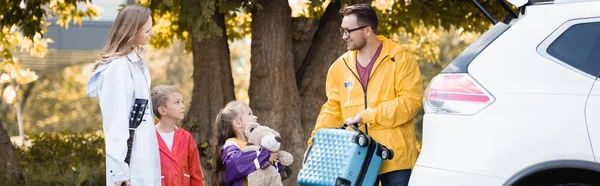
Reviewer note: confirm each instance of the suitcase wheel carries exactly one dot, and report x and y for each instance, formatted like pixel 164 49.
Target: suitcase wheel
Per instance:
pixel 386 154
pixel 362 140
pixel 342 182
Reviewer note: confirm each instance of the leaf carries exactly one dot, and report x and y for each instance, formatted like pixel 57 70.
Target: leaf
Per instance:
pixel 9 94
pixel 204 145
pixel 25 28
pixel 4 78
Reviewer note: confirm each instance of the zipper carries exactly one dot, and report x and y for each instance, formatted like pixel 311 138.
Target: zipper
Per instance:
pixel 372 145
pixel 364 88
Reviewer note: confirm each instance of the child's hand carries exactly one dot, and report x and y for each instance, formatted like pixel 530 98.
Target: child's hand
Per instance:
pixel 121 183
pixel 274 158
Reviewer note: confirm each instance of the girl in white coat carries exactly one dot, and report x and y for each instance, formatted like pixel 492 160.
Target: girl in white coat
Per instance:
pixel 120 77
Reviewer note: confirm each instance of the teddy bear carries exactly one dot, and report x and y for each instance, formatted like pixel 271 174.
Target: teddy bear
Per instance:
pixel 260 136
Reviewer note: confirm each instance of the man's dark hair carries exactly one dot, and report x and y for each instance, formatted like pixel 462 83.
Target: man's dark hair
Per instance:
pixel 365 15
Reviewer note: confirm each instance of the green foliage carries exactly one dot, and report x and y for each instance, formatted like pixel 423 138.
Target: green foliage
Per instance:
pixel 408 15
pixel 238 24
pixel 31 17
pixel 59 103
pixel 229 5
pixel 9 119
pixel 18 23
pixel 206 27
pixel 63 159
pixel 172 66
pixel 316 9
pixel 168 22
pixel 175 20
pixel 6 179
pixel 22 26
pixel 398 16
pixel 238 18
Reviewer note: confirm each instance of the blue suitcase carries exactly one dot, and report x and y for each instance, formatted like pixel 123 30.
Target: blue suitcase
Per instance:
pixel 340 157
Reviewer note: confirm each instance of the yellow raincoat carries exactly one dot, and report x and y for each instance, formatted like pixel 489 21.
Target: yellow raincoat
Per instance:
pixel 393 98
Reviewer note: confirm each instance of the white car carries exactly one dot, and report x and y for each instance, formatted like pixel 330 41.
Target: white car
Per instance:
pixel 521 105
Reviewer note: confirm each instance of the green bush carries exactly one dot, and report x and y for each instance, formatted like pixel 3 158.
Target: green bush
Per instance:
pixel 7 179
pixel 63 159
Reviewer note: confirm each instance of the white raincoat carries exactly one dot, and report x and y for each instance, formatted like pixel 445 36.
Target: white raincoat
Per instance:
pixel 117 84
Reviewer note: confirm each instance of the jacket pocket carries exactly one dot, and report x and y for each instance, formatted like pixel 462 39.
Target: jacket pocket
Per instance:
pixel 352 108
pixel 187 179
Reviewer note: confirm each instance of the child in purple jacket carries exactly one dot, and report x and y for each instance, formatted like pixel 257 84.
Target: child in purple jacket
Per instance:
pixel 230 165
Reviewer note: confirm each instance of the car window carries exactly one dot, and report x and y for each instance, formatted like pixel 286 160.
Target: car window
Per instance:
pixel 579 46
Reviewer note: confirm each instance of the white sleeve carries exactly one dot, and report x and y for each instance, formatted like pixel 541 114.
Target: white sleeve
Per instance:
pixel 116 99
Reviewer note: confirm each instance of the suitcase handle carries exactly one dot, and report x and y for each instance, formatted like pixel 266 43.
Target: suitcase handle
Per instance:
pixel 355 127
pixel 306 155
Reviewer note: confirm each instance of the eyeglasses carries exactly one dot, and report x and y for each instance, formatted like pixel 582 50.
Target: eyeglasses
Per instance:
pixel 346 32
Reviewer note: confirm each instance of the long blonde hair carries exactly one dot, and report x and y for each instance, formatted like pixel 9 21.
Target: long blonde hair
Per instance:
pixel 224 130
pixel 128 23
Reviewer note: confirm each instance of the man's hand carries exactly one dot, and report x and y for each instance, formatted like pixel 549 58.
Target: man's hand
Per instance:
pixel 356 120
pixel 126 182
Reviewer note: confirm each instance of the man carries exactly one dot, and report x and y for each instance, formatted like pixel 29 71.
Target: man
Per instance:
pixel 377 86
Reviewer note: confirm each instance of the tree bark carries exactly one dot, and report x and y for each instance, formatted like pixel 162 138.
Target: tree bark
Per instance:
pixel 273 92
pixel 328 45
pixel 303 34
pixel 8 162
pixel 213 88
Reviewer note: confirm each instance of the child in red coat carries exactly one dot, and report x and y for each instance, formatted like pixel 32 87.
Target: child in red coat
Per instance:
pixel 179 159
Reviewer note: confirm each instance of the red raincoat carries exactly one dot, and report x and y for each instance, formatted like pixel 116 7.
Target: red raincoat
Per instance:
pixel 181 166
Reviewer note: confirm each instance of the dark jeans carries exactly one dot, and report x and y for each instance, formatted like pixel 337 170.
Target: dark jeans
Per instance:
pixel 394 178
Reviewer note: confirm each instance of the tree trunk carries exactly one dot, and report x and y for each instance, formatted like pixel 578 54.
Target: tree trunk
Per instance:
pixel 328 45
pixel 273 93
pixel 19 113
pixel 8 162
pixel 303 34
pixel 19 105
pixel 213 88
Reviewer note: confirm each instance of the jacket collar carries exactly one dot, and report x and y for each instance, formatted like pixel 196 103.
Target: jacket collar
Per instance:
pixel 176 141
pixel 386 50
pixel 133 56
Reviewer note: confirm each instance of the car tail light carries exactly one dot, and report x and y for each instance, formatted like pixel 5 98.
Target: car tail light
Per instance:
pixel 456 94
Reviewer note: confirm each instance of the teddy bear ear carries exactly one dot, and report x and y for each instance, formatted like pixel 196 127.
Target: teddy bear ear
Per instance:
pixel 251 126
